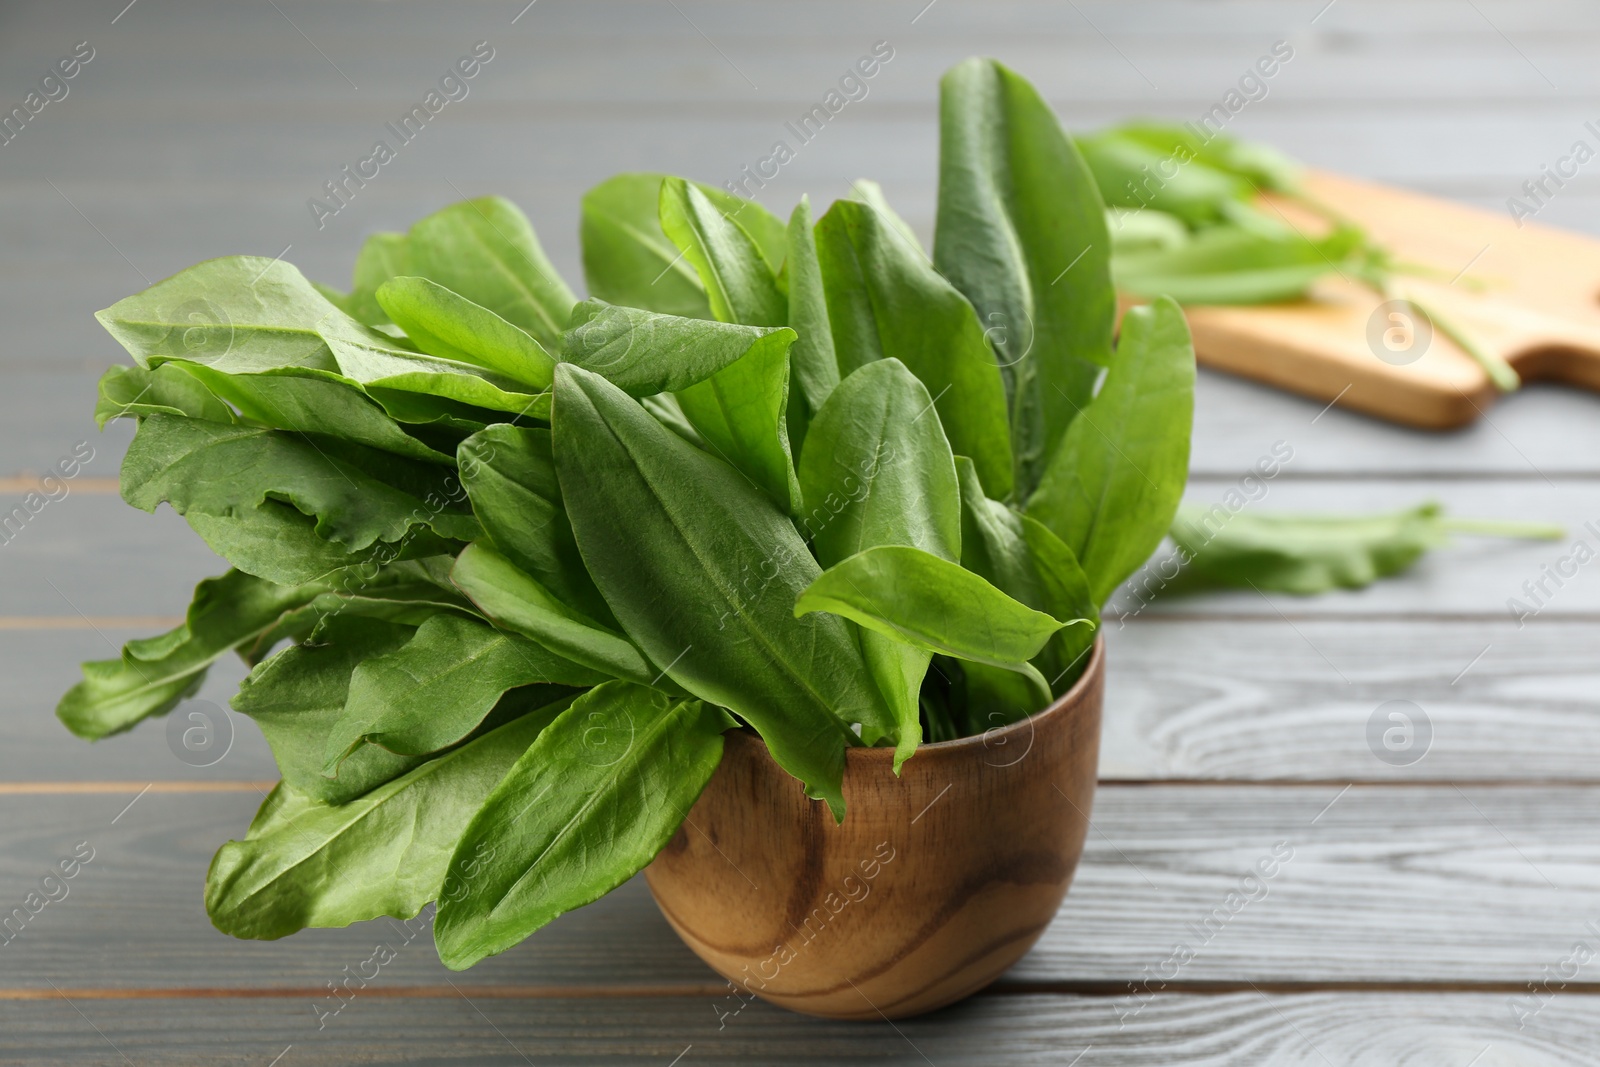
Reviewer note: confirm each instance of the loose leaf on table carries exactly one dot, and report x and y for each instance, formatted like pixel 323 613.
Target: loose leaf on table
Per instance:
pixel 1144 230
pixel 448 325
pixel 510 477
pixel 923 599
pixel 385 853
pixel 1228 265
pixel 1133 173
pixel 486 251
pixel 1302 554
pixel 644 353
pixel 813 367
pixel 738 279
pixel 1021 232
pixel 877 470
pixel 437 688
pixel 516 601
pixel 598 794
pixel 1023 559
pixel 357 496
pixel 628 259
pixel 1115 480
pixel 886 300
pixel 155 673
pixel 132 392
pixel 1261 165
pixel 710 603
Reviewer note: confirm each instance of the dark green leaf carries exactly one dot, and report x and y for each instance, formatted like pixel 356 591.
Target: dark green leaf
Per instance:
pixel 813 367
pixel 1021 231
pixel 593 800
pixel 1115 481
pixel 386 853
pixel 740 413
pixel 486 251
pixel 437 688
pixel 886 300
pixel 132 392
pixel 516 601
pixel 510 477
pixel 710 602
pixel 644 353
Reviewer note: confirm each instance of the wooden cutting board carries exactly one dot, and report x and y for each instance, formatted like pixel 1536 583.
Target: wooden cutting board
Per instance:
pixel 1532 294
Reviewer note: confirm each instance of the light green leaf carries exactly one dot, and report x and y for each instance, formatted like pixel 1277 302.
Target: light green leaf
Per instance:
pixel 515 601
pixel 870 193
pixel 382 256
pixel 740 413
pixel 710 602
pixel 1228 265
pixel 154 674
pixel 886 300
pixel 877 470
pixel 738 280
pixel 386 853
pixel 486 251
pixel 600 792
pixel 1021 232
pixel 450 326
pixel 1115 481
pixel 644 353
pixel 923 599
pixel 132 392
pixel 1132 173
pixel 437 688
pixel 628 260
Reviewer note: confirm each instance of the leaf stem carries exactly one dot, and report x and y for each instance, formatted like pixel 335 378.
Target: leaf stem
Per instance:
pixel 1537 531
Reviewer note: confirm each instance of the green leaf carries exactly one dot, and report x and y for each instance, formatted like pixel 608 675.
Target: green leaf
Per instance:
pixel 1131 173
pixel 382 256
pixel 877 470
pixel 1023 559
pixel 1301 554
pixel 154 674
pixel 709 601
pixel 1228 265
pixel 813 367
pixel 357 496
pixel 510 477
pixel 1260 165
pixel 627 258
pixel 1114 483
pixel 1135 229
pixel 299 694
pixel 486 251
pixel 740 413
pixel 593 800
pixel 516 601
pixel 738 279
pixel 450 326
pixel 386 853
pixel 870 193
pixel 275 542
pixel 923 599
pixel 886 300
pixel 289 401
pixel 133 392
pixel 1021 232
pixel 438 687
pixel 644 353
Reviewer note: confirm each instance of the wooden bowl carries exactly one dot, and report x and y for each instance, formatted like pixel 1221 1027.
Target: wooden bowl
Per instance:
pixel 936 882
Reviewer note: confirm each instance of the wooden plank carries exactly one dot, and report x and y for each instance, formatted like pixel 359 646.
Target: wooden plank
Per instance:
pixel 1261 700
pixel 1389 884
pixel 1310 1030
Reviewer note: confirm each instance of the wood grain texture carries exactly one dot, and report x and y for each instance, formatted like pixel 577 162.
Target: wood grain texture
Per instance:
pixel 1311 1030
pixel 1386 884
pixel 817 917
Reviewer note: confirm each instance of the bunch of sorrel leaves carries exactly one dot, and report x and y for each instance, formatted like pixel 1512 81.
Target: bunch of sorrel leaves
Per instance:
pixel 532 555
pixel 1188 219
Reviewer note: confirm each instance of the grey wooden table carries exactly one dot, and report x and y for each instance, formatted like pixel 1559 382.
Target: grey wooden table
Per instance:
pixel 1421 903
